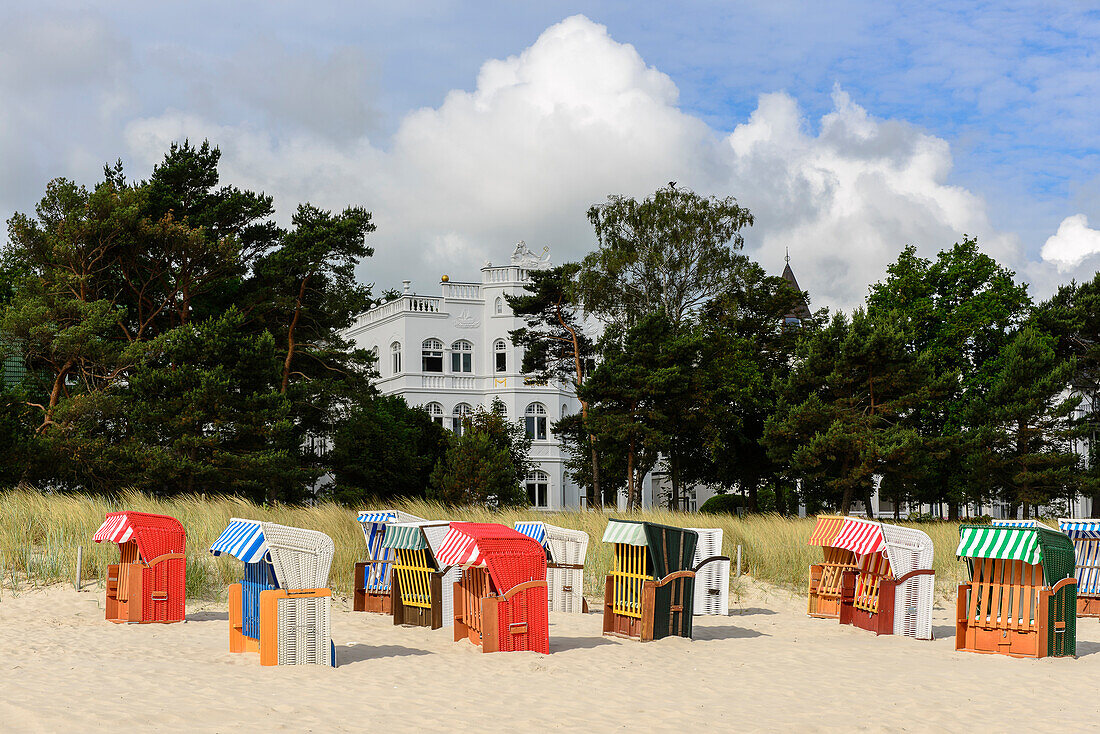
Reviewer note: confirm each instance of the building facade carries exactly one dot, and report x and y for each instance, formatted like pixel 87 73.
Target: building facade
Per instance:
pixel 451 353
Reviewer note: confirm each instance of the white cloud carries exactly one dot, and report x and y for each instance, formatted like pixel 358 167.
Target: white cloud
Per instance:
pixel 1072 244
pixel 578 116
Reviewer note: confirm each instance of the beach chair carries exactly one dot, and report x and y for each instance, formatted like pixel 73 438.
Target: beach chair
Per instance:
pixel 650 592
pixel 281 608
pixel 712 583
pixel 1022 596
pixel 1085 535
pixel 826 578
pixel 501 602
pixel 148 584
pixel 565 553
pixel 892 587
pixel 372 577
pixel 422 591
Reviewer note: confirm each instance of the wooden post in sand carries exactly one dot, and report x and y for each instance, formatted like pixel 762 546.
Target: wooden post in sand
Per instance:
pixel 79 561
pixel 738 561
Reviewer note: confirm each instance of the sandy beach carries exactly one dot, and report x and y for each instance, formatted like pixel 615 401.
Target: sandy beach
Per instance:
pixel 765 667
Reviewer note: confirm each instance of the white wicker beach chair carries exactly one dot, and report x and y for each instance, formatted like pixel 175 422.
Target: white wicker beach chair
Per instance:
pixel 712 582
pixel 565 564
pixel 910 550
pixel 302 560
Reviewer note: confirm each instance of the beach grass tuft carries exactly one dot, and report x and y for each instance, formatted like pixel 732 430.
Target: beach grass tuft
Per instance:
pixel 40 532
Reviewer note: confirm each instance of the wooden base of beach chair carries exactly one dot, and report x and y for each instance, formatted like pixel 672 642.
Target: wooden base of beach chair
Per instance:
pixel 369 601
pixel 408 614
pixel 238 640
pixel 881 620
pixel 295 627
pixel 132 596
pixel 823 594
pixel 517 620
pixel 1016 620
pixel 666 609
pixel 1088 606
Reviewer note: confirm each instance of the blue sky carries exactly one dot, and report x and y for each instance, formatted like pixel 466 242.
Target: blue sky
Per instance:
pixel 978 117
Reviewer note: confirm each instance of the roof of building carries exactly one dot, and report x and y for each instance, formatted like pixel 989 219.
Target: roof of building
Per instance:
pixel 801 311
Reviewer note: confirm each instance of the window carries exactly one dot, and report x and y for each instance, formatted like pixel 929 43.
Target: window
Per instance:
pixel 395 357
pixel 462 356
pixel 500 351
pixel 433 355
pixel 500 305
pixel 536 421
pixel 461 412
pixel 563 410
pixel 435 410
pixel 538 483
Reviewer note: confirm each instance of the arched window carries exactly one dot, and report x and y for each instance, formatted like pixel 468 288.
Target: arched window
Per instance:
pixel 500 305
pixel 538 486
pixel 461 412
pixel 435 410
pixel 564 409
pixel 395 357
pixel 535 416
pixel 433 355
pixel 462 356
pixel 500 353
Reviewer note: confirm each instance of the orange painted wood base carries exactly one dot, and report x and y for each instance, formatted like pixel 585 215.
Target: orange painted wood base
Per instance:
pixel 1088 606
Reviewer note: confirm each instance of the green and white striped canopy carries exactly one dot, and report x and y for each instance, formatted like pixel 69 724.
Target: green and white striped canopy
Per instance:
pixel 631 533
pixel 406 536
pixel 1005 543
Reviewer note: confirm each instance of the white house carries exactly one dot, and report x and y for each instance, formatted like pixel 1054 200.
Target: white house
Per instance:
pixel 451 352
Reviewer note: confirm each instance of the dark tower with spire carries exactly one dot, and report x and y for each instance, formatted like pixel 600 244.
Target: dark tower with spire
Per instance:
pixel 800 311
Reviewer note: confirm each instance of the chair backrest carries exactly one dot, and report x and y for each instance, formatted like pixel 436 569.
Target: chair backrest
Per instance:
pixel 908 549
pixel 1004 594
pixel 566 545
pixel 301 558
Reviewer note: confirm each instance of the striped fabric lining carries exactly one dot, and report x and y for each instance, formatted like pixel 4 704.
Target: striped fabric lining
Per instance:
pixel 860 536
pixel 1010 544
pixel 631 533
pixel 1080 528
pixel 459 549
pixel 825 530
pixel 115 529
pixel 366 516
pixel 243 539
pixel 534 530
pixel 876 563
pixel 1015 523
pixel 407 536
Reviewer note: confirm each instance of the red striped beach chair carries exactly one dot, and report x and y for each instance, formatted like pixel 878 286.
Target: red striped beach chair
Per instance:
pixel 501 603
pixel 148 584
pixel 891 589
pixel 823 595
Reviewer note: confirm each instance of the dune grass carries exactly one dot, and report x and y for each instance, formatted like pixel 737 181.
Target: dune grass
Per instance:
pixel 39 534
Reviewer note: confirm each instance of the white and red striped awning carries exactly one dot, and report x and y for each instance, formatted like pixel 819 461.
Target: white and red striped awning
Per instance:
pixel 115 529
pixel 459 549
pixel 860 536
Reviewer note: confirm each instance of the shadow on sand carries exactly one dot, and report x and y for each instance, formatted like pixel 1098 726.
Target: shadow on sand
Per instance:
pixel 749 611
pixel 208 617
pixel 560 644
pixel 724 632
pixel 347 654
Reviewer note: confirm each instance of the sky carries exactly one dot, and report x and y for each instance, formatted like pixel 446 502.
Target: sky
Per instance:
pixel 850 129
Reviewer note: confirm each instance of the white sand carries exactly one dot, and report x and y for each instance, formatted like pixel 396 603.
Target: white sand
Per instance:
pixel 765 667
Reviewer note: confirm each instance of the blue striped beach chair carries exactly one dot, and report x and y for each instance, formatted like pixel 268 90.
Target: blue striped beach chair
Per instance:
pixel 372 577
pixel 281 607
pixel 565 553
pixel 1085 535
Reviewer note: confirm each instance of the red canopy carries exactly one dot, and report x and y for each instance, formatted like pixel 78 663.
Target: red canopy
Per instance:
pixel 511 557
